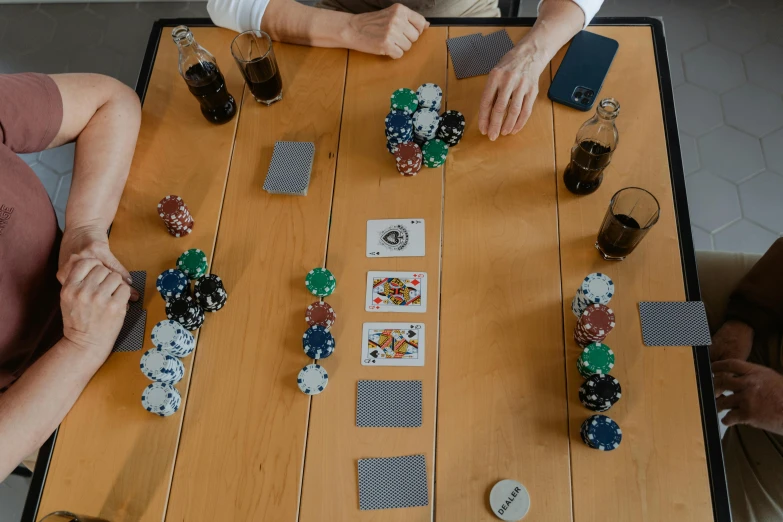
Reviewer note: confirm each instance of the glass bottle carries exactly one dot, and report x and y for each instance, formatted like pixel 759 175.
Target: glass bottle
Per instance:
pixel 592 151
pixel 202 74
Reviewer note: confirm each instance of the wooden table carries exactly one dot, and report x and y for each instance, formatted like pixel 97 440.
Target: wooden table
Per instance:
pixel 506 245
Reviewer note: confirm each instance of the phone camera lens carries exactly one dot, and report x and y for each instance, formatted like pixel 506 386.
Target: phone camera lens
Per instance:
pixel 585 101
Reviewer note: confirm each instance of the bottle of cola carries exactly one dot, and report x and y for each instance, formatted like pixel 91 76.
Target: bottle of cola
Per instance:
pixel 595 142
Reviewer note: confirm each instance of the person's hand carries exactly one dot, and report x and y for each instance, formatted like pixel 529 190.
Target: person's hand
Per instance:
pixel 733 340
pixel 510 92
pixel 757 398
pixel 89 242
pixel 93 301
pixel 388 32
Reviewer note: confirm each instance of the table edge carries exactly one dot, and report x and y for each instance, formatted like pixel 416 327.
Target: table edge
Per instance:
pixel 709 415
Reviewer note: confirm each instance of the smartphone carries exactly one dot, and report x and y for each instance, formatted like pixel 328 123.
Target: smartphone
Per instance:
pixel 582 72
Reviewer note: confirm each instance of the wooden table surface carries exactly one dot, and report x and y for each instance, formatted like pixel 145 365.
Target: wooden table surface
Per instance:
pixel 506 247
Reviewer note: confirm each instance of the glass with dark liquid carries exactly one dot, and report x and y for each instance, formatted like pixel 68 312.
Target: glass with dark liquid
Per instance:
pixel 592 152
pixel 67 516
pixel 631 214
pixel 255 57
pixel 202 74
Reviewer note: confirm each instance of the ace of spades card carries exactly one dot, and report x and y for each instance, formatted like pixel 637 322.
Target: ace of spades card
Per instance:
pixel 393 344
pixel 395 238
pixel 396 292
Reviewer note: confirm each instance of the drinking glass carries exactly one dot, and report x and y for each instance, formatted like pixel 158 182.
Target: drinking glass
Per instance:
pixel 255 57
pixel 631 214
pixel 67 516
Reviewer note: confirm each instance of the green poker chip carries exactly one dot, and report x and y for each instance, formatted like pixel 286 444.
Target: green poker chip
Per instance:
pixel 405 100
pixel 320 282
pixel 193 263
pixel 596 358
pixel 434 153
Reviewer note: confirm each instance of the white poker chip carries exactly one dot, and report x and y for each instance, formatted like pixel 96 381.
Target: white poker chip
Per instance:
pixel 509 500
pixel 425 121
pixel 161 399
pixel 597 288
pixel 173 338
pixel 159 366
pixel 312 379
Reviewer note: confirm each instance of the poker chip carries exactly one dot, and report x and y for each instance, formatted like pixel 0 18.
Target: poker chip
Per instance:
pixel 399 127
pixel 320 282
pixel 434 153
pixel 172 283
pixel 429 95
pixel 425 123
pixel 175 214
pixel 600 392
pixel 595 288
pixel 509 500
pixel 186 311
pixel 404 100
pixel 160 366
pixel 601 433
pixel 392 147
pixel 172 337
pixel 161 399
pixel 320 313
pixel 317 342
pixel 210 292
pixel 193 263
pixel 595 323
pixel 452 127
pixel 596 358
pixel 312 379
pixel 409 159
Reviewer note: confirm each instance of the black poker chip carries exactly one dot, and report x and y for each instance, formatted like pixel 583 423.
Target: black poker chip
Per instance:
pixel 210 293
pixel 600 392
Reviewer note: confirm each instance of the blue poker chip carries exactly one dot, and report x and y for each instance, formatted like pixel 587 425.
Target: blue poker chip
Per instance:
pixel 398 120
pixel 601 433
pixel 317 342
pixel 172 283
pixel 312 379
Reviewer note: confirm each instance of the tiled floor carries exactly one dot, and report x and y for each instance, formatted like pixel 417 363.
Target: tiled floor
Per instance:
pixel 726 58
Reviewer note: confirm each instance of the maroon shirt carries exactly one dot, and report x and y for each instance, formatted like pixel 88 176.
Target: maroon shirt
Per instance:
pixel 31 112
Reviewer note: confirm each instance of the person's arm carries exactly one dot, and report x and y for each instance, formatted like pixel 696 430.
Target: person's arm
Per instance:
pixel 756 301
pixel 93 302
pixel 512 86
pixel 103 116
pixel 388 32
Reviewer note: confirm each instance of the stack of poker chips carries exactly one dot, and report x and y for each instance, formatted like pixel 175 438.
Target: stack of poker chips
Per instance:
pixel 172 283
pixel 161 399
pixel 596 358
pixel 405 101
pixel 399 129
pixel 318 342
pixel 596 288
pixel 429 95
pixel 434 153
pixel 210 293
pixel 601 433
pixel 172 338
pixel 425 125
pixel 600 392
pixel 161 366
pixel 186 311
pixel 452 127
pixel 193 263
pixel 175 214
pixel 409 158
pixel 595 323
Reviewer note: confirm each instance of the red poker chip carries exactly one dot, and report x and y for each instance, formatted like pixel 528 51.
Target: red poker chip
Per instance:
pixel 408 152
pixel 587 335
pixel 171 205
pixel 320 313
pixel 597 320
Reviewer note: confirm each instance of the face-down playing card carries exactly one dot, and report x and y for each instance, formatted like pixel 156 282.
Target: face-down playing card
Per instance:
pixel 396 292
pixel 394 482
pixel 674 323
pixel 290 168
pixel 393 344
pixel 131 336
pixel 388 404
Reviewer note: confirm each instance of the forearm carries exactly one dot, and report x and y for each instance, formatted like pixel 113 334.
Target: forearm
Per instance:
pixel 291 22
pixel 558 21
pixel 34 406
pixel 104 120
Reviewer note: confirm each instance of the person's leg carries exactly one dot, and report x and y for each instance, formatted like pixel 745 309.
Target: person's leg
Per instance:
pixel 719 275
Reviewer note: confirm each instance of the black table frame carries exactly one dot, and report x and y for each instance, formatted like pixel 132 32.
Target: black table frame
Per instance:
pixel 701 358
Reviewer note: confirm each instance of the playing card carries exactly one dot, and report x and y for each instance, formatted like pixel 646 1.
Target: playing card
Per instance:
pixel 394 482
pixel 290 168
pixel 395 238
pixel 131 336
pixel 393 344
pixel 464 57
pixel 388 404
pixel 674 324
pixel 490 49
pixel 396 292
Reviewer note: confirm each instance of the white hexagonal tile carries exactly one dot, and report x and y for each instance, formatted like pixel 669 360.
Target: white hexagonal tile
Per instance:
pixel 744 236
pixel 77 29
pixel 731 154
pixel 698 111
pixel 762 198
pixel 29 32
pixel 712 201
pixel 774 23
pixel 761 6
pixel 675 68
pixel 48 177
pixel 714 68
pixel 158 10
pixel 48 60
pixel 765 66
pixel 31 158
pixel 683 30
pixel 101 60
pixel 773 150
pixel 753 109
pixel 60 218
pixel 63 191
pixel 59 159
pixel 690 154
pixel 736 29
pixel 702 240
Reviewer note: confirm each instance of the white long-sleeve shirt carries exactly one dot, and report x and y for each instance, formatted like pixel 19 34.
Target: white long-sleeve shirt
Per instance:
pixel 244 15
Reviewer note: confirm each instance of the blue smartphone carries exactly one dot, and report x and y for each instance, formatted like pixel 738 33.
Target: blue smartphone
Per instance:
pixel 582 72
